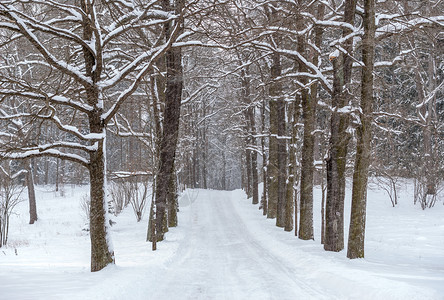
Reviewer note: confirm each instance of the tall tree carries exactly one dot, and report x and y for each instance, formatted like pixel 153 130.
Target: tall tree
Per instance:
pixel 78 49
pixel 173 97
pixel 31 192
pixel 364 134
pixel 309 101
pixel 275 91
pixel 339 138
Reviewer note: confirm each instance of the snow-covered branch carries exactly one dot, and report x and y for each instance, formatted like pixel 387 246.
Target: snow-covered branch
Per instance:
pixel 20 155
pixel 12 14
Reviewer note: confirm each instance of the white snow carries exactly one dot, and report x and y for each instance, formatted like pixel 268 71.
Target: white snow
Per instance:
pixel 223 249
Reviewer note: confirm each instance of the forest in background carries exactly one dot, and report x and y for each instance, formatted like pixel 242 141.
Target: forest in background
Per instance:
pixel 224 95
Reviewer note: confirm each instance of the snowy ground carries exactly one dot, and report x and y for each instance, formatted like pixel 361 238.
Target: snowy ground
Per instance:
pixel 223 249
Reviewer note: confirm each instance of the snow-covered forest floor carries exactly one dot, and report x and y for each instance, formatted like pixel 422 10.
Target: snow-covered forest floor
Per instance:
pixel 223 249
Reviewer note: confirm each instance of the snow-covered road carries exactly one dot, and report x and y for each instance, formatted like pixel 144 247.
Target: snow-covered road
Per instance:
pixel 222 249
pixel 229 251
pixel 220 259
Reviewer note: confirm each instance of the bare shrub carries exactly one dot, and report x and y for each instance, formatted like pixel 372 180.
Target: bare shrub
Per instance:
pixel 126 191
pixel 389 184
pixel 85 204
pixel 139 199
pixel 117 192
pixel 10 196
pixel 425 193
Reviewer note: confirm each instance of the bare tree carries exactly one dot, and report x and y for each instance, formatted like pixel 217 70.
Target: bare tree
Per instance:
pixel 173 97
pixel 10 196
pixel 92 66
pixel 364 133
pixel 339 138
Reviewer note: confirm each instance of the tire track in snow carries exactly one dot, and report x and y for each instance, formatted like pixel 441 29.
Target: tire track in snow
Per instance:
pixel 281 267
pixel 219 258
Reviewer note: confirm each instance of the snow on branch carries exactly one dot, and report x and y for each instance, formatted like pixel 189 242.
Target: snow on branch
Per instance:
pixel 153 55
pixel 295 54
pixel 197 92
pixel 381 114
pixel 19 155
pixel 125 130
pixel 48 27
pixel 124 174
pixel 75 131
pixel 67 8
pixel 132 20
pixel 67 145
pixel 431 95
pixel 12 14
pixel 329 23
pixel 50 98
pixel 14 175
pixel 130 67
pixel 399 26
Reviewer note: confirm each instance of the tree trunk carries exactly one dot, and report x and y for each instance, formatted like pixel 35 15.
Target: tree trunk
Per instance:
pixel 291 203
pixel 172 202
pixel 204 153
pixel 101 252
pixel 309 101
pixel 307 168
pixel 31 193
pixel 430 148
pixel 248 172
pixel 336 167
pixel 255 181
pixel 282 163
pixel 57 174
pixel 264 199
pixel 46 177
pixel 364 134
pixel 224 172
pixel 273 162
pixel 323 212
pixel 168 144
pixel 150 234
pixel 339 139
pixel 253 153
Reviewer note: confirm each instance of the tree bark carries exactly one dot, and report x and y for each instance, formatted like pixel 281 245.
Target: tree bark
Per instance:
pixel 255 181
pixel 339 139
pixel 273 162
pixel 172 201
pixel 248 172
pixel 364 133
pixel 264 199
pixel 168 144
pixel 307 168
pixel 46 177
pixel 282 163
pixel 101 252
pixel 291 203
pixel 277 178
pixel 309 101
pixel 224 172
pixel 31 193
pixel 253 154
pixel 204 152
